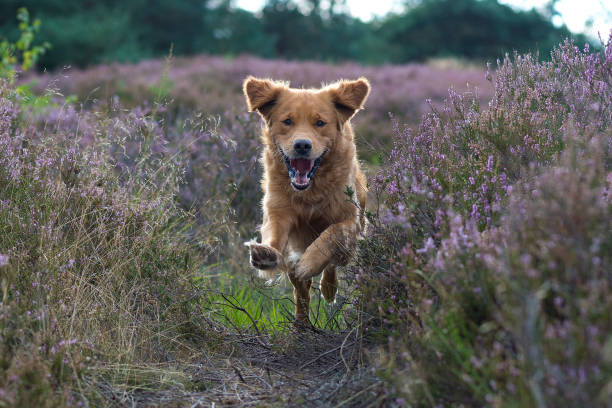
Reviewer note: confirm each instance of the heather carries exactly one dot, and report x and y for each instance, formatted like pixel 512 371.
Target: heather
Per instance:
pixel 483 279
pixel 90 257
pixel 487 272
pixel 212 85
pixel 122 264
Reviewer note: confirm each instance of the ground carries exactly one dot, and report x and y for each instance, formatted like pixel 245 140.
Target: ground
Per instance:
pixel 306 368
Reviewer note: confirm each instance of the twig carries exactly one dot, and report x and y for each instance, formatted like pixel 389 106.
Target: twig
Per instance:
pixel 348 369
pixel 322 355
pixel 239 373
pixel 270 377
pixel 199 402
pixel 288 376
pixel 329 369
pixel 243 310
pixel 377 401
pixel 355 395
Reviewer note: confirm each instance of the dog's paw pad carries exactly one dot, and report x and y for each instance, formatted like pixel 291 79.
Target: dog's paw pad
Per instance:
pixel 263 256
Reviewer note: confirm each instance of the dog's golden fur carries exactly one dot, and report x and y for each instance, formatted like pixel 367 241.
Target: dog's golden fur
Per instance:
pixel 309 223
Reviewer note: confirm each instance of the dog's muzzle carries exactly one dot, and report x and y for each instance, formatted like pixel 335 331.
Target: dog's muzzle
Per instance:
pixel 302 170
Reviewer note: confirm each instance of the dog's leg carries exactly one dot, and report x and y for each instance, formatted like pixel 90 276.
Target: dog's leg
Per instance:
pixel 334 246
pixel 267 256
pixel 329 284
pixel 301 296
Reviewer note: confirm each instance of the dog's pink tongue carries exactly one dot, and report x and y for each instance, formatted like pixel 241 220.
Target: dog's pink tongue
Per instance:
pixel 301 178
pixel 303 166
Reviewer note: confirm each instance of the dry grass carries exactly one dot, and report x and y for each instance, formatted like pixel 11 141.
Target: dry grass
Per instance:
pixel 297 369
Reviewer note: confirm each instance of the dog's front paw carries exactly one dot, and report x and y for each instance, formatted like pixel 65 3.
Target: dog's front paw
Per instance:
pixel 263 256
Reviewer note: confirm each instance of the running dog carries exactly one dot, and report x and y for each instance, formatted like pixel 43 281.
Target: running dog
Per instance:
pixel 310 223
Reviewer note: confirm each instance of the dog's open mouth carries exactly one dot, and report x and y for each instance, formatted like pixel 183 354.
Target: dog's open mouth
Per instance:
pixel 302 171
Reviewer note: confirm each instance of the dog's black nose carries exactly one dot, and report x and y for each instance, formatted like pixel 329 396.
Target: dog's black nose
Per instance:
pixel 302 147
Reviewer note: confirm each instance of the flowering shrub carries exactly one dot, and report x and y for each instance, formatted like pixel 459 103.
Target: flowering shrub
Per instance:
pixel 494 241
pixel 92 258
pixel 213 85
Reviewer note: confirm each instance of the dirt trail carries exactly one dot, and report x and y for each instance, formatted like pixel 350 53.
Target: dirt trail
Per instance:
pixel 297 369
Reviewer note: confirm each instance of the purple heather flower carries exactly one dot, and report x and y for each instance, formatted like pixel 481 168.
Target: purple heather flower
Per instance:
pixel 428 246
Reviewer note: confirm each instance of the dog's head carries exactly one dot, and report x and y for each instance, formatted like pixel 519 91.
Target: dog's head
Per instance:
pixel 304 124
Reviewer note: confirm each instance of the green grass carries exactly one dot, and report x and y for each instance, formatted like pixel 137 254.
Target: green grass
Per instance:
pixel 248 304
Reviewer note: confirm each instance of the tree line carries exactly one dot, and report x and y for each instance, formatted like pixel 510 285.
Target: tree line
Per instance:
pixel 85 32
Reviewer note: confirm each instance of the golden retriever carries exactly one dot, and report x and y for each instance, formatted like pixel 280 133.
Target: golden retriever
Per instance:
pixel 310 223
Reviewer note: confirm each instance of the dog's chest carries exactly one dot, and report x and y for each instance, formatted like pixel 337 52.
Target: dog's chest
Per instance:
pixel 335 208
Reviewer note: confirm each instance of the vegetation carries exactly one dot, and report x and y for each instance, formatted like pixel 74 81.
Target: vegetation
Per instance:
pixel 470 29
pixel 484 279
pixel 488 274
pixel 212 85
pixel 22 54
pixel 84 34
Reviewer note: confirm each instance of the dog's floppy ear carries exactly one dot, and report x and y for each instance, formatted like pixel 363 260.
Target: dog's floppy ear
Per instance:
pixel 261 95
pixel 349 96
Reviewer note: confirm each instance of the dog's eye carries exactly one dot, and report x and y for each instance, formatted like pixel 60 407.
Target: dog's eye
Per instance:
pixel 287 122
pixel 320 123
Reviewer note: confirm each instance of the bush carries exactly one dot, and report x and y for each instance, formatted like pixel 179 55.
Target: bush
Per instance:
pixel 491 283
pixel 212 85
pixel 21 55
pixel 95 261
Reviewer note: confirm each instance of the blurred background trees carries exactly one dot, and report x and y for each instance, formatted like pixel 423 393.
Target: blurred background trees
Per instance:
pixel 473 29
pixel 86 32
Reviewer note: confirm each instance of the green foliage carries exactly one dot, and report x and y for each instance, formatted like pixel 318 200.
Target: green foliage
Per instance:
pixel 22 54
pixel 316 35
pixel 234 32
pixel 246 305
pixel 86 33
pixel 468 28
pixel 158 24
pixel 90 36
